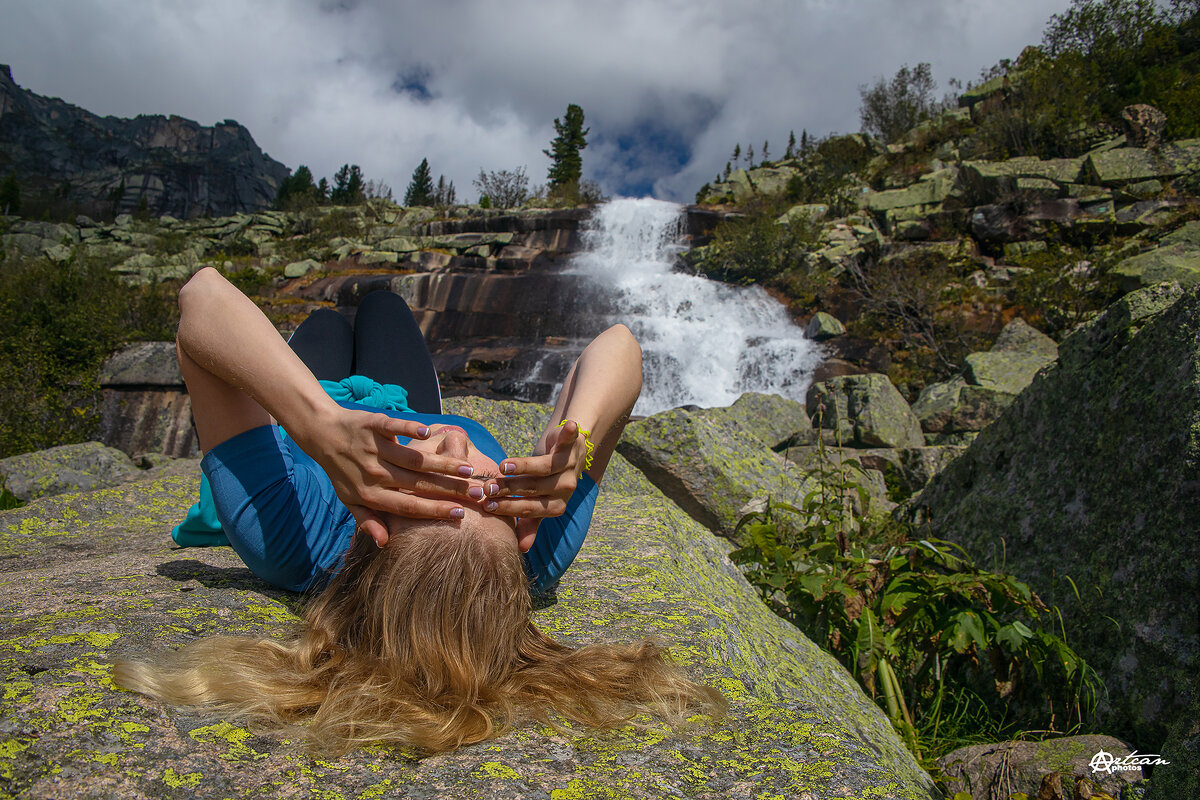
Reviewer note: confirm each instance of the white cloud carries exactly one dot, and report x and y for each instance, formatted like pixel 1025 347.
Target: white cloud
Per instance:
pixel 314 82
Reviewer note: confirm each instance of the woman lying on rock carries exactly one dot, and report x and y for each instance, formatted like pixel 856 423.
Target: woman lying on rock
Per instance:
pixel 424 540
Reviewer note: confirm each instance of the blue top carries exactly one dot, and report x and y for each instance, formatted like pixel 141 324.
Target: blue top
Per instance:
pixel 282 517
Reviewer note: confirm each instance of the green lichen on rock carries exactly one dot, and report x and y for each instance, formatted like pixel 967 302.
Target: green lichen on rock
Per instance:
pixel 1093 474
pixel 710 465
pixel 866 411
pixel 92 576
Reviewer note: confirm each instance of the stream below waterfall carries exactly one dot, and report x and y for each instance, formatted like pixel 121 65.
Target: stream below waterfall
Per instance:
pixel 704 342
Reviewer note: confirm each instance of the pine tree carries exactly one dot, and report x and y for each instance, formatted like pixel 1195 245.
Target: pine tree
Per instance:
pixel 750 155
pixel 297 190
pixel 737 152
pixel 444 194
pixel 791 145
pixel 728 169
pixel 766 153
pixel 804 143
pixel 347 186
pixel 420 188
pixel 566 166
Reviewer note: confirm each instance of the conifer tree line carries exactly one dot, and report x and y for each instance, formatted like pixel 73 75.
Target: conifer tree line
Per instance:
pixel 498 188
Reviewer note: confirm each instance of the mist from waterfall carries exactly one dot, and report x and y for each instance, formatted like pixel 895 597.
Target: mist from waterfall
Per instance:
pixel 704 342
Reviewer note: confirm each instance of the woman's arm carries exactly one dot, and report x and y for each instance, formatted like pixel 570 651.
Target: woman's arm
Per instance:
pixel 597 396
pixel 240 373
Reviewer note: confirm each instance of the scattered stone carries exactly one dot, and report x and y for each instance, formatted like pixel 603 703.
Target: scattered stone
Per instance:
pixel 298 269
pixel 1004 769
pixel 67 468
pixel 709 465
pixel 866 411
pixel 824 326
pixel 1018 336
pixel 1144 125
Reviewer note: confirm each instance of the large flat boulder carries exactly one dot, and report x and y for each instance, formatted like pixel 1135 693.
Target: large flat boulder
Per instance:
pixel 88 577
pixel 1088 488
pixel 1127 165
pixel 711 465
pixel 1177 258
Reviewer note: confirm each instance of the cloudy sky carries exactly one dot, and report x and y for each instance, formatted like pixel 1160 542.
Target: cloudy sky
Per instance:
pixel 668 86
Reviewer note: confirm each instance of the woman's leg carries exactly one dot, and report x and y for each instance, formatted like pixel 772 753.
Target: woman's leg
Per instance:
pixel 389 348
pixel 325 343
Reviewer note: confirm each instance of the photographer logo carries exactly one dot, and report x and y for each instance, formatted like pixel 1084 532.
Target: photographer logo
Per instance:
pixel 1108 763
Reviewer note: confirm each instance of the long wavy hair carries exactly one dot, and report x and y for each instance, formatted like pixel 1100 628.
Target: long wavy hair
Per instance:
pixel 426 642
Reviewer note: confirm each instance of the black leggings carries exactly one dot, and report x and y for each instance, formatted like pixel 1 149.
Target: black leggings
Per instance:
pixel 384 344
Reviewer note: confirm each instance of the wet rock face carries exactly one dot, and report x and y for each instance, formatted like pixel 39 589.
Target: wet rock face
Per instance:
pixel 175 165
pixel 1093 473
pixel 93 576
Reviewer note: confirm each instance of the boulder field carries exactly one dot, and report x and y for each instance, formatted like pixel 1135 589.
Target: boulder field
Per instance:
pixel 91 576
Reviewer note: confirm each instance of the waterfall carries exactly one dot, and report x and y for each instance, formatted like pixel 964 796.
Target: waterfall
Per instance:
pixel 704 343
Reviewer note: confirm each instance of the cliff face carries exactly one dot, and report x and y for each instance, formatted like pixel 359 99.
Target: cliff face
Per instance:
pixel 175 165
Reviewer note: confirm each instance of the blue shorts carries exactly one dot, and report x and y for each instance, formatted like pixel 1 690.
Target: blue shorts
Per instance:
pixel 282 517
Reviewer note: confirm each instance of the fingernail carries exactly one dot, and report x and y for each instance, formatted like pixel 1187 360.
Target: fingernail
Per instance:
pixel 493 488
pixel 457 513
pixel 491 505
pixel 377 543
pixel 422 432
pixel 466 472
pixel 475 492
pixel 508 468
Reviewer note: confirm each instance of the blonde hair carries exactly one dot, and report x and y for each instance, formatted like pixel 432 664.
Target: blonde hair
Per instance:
pixel 426 642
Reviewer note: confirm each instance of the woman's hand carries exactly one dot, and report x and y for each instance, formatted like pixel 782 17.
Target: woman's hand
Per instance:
pixel 359 452
pixel 539 486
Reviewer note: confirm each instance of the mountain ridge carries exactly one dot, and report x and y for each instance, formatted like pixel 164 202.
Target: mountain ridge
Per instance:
pixel 67 157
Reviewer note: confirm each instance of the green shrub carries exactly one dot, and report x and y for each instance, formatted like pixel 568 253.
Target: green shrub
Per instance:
pixel 944 646
pixel 57 324
pixel 755 248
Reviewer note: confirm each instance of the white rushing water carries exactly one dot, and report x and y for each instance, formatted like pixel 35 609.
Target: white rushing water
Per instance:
pixel 704 342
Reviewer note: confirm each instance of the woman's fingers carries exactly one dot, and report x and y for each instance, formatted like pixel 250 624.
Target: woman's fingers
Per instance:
pixel 406 457
pixel 527 529
pixel 526 506
pixel 410 505
pixel 557 483
pixel 559 456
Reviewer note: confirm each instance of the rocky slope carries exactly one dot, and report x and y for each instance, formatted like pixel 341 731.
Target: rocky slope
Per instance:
pixel 90 576
pixel 160 165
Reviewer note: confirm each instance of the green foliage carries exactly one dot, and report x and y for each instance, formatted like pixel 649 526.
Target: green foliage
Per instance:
pixel 939 643
pixel 756 248
pixel 420 190
pixel 921 301
pixel 566 166
pixel 57 324
pixel 298 191
pixel 891 109
pixel 1058 293
pixel 348 186
pixel 10 195
pixel 8 500
pixel 1098 57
